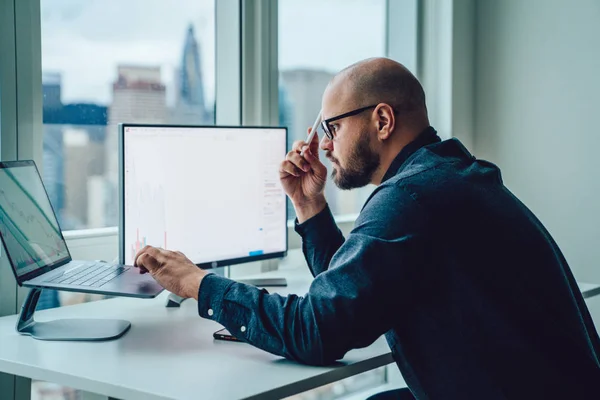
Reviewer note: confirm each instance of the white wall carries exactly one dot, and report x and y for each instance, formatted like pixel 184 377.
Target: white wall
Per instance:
pixel 537 102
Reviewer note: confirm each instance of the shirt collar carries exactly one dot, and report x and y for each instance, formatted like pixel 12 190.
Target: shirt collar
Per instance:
pixel 427 137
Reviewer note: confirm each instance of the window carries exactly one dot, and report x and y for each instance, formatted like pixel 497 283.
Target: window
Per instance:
pixel 316 40
pixel 106 62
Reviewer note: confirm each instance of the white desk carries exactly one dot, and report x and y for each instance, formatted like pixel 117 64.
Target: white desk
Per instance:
pixel 170 354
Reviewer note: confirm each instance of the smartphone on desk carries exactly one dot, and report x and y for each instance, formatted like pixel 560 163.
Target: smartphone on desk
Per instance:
pixel 223 334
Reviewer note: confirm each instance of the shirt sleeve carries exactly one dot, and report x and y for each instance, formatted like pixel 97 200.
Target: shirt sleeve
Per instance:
pixel 321 239
pixel 348 306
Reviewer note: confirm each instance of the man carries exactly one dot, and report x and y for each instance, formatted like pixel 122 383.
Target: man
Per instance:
pixel 473 295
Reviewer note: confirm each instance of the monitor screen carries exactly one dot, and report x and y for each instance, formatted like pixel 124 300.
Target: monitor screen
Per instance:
pixel 212 193
pixel 28 226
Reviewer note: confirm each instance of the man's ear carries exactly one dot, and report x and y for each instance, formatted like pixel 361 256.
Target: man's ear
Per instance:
pixel 386 121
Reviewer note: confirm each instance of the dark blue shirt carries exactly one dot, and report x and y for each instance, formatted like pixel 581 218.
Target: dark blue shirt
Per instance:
pixel 472 293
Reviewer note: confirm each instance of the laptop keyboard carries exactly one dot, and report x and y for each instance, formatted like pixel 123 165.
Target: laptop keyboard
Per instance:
pixel 93 274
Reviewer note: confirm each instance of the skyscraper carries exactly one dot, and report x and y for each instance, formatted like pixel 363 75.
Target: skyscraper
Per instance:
pixel 190 107
pixel 304 89
pixel 139 96
pixel 53 160
pixel 192 88
pixel 73 146
pixel 53 150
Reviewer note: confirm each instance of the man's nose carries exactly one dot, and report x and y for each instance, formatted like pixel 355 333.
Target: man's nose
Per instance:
pixel 326 144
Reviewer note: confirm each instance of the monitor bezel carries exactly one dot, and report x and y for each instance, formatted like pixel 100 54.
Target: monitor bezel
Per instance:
pixel 203 265
pixel 50 267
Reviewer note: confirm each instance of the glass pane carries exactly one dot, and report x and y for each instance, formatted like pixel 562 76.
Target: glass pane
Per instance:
pixel 105 62
pixel 311 54
pixel 110 61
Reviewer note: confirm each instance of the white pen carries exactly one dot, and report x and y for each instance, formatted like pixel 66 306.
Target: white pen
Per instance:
pixel 312 132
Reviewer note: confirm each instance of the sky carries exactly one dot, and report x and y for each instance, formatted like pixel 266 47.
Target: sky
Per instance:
pixel 84 40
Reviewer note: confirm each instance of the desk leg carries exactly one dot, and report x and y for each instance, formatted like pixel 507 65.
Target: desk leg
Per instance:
pixel 14 387
pixel 23 388
pixel 7 386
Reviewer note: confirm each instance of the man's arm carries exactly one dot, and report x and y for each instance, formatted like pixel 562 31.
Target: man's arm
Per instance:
pixel 369 284
pixel 321 239
pixel 348 306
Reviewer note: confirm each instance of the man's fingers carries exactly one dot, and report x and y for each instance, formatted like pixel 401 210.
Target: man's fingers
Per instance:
pixel 287 168
pixel 314 161
pixel 148 261
pixel 298 144
pixel 139 253
pixel 311 152
pixel 299 161
pixel 156 253
pixel 314 144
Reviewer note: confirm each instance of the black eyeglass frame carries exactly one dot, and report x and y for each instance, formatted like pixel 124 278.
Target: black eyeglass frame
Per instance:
pixel 325 123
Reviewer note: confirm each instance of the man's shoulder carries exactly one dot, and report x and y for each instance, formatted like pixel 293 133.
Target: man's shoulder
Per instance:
pixel 442 166
pixel 389 211
pixel 450 153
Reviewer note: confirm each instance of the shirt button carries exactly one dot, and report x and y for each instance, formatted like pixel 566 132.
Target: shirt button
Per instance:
pixel 210 312
pixel 243 329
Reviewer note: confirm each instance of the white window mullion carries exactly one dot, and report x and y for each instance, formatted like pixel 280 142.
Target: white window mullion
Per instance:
pixel 8 142
pixel 260 77
pixel 446 65
pixel 8 86
pixel 8 151
pixel 20 132
pixel 401 32
pixel 228 89
pixel 29 80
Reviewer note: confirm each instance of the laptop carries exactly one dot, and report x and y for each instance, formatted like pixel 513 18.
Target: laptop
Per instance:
pixel 37 251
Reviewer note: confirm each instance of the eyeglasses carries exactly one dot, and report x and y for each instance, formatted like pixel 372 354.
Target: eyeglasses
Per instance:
pixel 325 123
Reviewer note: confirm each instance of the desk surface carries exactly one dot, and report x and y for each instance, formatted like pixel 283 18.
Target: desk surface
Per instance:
pixel 170 354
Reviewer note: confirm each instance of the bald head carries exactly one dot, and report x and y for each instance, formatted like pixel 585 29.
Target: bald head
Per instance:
pixel 379 80
pixel 362 143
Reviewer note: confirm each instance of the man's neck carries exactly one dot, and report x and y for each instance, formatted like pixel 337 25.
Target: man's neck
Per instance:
pixel 391 151
pixel 388 156
pixel 384 164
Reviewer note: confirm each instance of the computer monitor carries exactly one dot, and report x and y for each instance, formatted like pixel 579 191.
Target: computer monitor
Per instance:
pixel 211 192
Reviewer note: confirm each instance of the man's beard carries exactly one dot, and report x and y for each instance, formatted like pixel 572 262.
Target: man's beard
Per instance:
pixel 362 164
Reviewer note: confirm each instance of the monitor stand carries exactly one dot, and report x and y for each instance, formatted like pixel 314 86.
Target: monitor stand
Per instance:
pixel 67 329
pixel 174 301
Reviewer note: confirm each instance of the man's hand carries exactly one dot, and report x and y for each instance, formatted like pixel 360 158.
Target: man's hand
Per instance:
pixel 172 270
pixel 303 178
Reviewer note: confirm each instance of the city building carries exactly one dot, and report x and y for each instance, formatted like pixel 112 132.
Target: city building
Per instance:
pixel 139 96
pixel 53 153
pixel 190 103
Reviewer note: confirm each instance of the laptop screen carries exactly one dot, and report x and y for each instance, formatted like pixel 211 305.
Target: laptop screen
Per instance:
pixel 28 226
